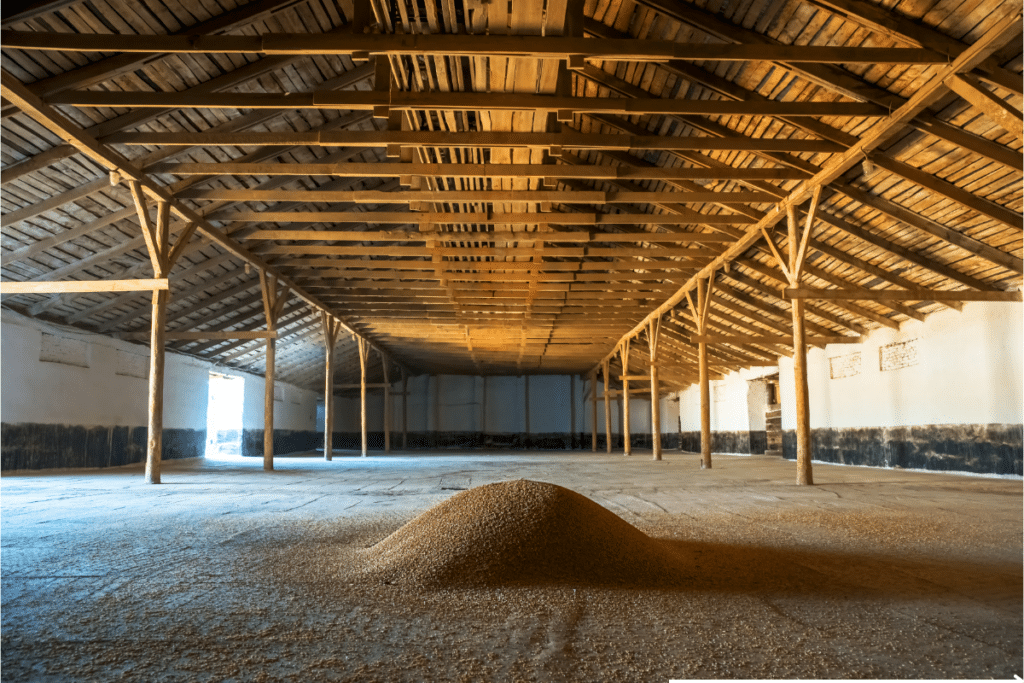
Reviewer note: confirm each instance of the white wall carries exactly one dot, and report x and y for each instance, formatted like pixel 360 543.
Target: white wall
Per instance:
pixel 295 409
pixel 969 369
pixel 737 402
pixel 506 408
pixel 33 391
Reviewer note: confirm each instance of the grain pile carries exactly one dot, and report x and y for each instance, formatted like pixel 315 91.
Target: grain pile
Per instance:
pixel 522 532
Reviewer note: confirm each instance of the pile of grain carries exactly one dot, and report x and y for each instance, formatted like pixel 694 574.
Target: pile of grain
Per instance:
pixel 521 532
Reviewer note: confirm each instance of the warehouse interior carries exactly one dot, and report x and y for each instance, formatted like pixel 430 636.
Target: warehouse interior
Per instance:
pixel 286 281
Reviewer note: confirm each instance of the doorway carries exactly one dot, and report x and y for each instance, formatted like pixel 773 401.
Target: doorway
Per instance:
pixel 224 417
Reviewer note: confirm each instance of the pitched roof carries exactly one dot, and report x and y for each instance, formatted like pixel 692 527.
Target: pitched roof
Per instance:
pixel 508 188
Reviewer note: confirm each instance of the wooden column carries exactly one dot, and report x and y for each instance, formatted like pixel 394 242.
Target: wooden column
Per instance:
pixel 803 408
pixel 797 253
pixel 331 328
pixel 593 411
pixel 387 403
pixel 627 446
pixel 154 442
pixel 607 409
pixel 653 333
pixel 699 313
pixel 792 268
pixel 405 409
pixel 705 408
pixel 364 350
pixel 163 256
pixel 273 303
pixel 268 406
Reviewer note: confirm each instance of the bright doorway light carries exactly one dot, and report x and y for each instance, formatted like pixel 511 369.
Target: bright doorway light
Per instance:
pixel 224 417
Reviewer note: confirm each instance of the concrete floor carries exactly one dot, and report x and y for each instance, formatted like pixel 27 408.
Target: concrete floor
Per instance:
pixel 225 572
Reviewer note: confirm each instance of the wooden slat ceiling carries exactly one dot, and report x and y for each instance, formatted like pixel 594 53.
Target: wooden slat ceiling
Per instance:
pixel 506 188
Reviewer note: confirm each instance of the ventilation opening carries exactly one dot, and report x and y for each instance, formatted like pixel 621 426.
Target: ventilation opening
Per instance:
pixel 224 417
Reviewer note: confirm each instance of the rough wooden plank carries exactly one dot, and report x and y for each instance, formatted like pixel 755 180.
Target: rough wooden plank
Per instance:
pixel 78 286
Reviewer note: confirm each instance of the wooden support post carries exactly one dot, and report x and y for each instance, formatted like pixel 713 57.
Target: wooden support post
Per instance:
pixel 627 446
pixel 364 351
pixel 162 255
pixel 653 333
pixel 607 409
pixel 803 414
pixel 804 474
pixel 387 403
pixel 331 327
pixel 705 408
pixel 700 317
pixel 593 411
pixel 273 303
pixel 405 409
pixel 154 443
pixel 268 405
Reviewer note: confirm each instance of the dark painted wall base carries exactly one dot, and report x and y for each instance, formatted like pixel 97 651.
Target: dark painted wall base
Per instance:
pixel 982 449
pixel 298 441
pixel 30 446
pixel 753 442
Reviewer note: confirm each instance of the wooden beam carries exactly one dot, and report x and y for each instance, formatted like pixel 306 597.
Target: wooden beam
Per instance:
pixel 1005 115
pixel 19 12
pixel 903 252
pixel 474 218
pixel 79 286
pixel 512 140
pixel 475 196
pixel 617 268
pixel 904 29
pixel 368 100
pixel 396 170
pixel 536 47
pixel 764 339
pixel 55 201
pixel 32 164
pixel 692 255
pixel 225 335
pixel 946 189
pixel 899 294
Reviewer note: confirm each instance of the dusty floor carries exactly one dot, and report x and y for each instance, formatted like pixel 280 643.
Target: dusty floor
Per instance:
pixel 225 572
